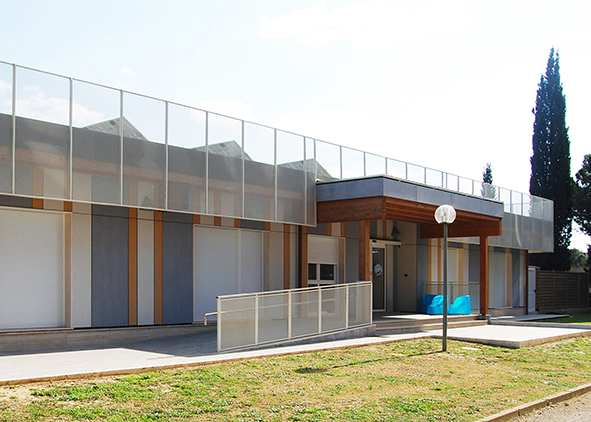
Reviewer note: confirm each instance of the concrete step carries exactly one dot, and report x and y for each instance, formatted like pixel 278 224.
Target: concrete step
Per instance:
pixel 413 327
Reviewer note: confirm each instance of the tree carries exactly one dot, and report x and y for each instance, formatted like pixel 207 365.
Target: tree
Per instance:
pixel 578 258
pixel 550 163
pixel 488 190
pixel 582 196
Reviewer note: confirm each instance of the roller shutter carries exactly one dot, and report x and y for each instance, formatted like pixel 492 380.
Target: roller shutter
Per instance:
pixel 32 269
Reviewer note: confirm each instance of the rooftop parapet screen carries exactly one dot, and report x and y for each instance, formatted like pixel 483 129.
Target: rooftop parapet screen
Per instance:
pixel 62 138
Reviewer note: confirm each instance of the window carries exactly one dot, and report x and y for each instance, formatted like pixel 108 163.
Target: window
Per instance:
pixel 321 274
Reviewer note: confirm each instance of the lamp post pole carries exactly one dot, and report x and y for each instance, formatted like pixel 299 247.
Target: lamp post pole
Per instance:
pixel 445 300
pixel 445 214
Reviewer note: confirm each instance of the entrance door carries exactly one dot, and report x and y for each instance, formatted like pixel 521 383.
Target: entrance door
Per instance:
pixel 378 277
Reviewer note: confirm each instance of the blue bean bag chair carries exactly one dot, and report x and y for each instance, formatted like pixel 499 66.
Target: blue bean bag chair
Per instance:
pixel 427 299
pixel 461 306
pixel 436 306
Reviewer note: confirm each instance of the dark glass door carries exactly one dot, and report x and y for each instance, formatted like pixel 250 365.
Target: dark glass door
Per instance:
pixel 378 274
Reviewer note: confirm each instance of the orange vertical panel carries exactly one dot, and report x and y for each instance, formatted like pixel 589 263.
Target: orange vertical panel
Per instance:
pixel 237 223
pixel 217 221
pixel 364 252
pixel 157 267
pixel 196 219
pixel 37 203
pixel 329 229
pixel 132 262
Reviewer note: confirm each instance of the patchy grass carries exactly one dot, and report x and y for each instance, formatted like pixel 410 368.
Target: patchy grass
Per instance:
pixel 575 318
pixel 405 381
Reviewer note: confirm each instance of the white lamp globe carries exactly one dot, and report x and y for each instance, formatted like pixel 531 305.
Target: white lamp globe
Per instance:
pixel 445 214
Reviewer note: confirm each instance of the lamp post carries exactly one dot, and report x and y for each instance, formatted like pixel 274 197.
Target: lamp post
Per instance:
pixel 445 214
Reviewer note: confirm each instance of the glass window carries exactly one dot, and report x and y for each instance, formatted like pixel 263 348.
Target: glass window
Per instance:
pixel 327 272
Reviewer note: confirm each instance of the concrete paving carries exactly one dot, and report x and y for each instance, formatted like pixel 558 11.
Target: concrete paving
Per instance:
pixel 199 349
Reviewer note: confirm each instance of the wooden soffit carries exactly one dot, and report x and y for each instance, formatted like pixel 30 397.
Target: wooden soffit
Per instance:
pixel 467 224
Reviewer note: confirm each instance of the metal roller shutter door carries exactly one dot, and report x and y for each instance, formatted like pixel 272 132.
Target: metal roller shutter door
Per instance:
pixel 32 275
pixel 226 261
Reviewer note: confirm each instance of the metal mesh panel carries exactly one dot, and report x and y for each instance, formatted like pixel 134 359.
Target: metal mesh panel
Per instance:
pixel 290 178
pixel 415 173
pixel 397 168
pixel 238 321
pixel 310 182
pixel 352 163
pixel 273 317
pixel 334 308
pixel 143 151
pixel 186 159
pixel 259 172
pixel 434 177
pixel 328 161
pixel 224 165
pixel 96 143
pixel 5 128
pixel 42 135
pixel 374 165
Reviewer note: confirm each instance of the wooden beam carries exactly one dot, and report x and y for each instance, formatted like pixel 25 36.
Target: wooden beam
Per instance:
pixel 364 251
pixel 463 229
pixel 351 210
pixel 484 278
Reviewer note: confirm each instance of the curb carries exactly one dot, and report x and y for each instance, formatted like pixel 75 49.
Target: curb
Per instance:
pixel 515 412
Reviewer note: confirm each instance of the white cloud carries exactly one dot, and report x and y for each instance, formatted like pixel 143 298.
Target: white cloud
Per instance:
pixel 54 109
pixel 127 72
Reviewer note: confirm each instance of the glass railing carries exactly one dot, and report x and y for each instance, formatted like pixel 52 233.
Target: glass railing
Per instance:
pixel 63 138
pixel 254 319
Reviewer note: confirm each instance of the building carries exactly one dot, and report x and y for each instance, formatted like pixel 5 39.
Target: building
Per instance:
pixel 117 209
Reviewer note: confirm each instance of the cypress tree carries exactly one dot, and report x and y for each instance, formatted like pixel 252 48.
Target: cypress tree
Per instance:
pixel 550 163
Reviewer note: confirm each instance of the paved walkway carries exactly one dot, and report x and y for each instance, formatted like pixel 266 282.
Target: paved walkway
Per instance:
pixel 197 349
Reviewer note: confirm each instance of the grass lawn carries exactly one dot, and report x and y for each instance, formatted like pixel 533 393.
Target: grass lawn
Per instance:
pixel 575 318
pixel 404 381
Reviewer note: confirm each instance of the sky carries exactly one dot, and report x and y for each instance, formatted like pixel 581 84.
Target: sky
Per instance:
pixel 448 85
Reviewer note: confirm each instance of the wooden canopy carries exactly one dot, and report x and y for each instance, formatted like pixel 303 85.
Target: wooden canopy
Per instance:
pixel 467 224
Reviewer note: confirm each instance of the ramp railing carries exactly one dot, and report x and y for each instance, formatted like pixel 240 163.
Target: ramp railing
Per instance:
pixel 253 319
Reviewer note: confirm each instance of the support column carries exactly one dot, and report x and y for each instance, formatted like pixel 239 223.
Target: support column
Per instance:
pixel 484 278
pixel 364 252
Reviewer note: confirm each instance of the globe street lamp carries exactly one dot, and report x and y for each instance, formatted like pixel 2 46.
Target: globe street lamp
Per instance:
pixel 445 214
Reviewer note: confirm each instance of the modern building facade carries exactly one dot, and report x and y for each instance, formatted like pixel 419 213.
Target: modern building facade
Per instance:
pixel 117 209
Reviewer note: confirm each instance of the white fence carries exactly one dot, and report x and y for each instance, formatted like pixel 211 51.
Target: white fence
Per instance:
pixel 252 319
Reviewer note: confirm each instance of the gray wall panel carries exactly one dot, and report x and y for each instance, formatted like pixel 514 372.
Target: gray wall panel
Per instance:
pixel 110 289
pixel 177 273
pixel 16 201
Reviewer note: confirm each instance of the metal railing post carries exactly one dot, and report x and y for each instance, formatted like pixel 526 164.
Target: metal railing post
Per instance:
pixel 219 323
pixel 256 320
pixel 319 309
pixel 347 306
pixel 289 314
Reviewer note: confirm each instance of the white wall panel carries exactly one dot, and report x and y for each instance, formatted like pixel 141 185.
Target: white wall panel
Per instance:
pixel 215 267
pixel 145 263
pixel 251 260
pixel 32 275
pixel 81 270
